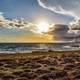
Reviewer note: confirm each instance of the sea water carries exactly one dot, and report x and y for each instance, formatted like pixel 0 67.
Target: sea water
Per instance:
pixel 30 47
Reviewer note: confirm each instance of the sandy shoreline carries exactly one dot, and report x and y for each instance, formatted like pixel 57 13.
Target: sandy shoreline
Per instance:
pixel 40 66
pixel 33 54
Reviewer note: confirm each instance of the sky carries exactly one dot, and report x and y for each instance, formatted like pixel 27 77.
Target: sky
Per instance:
pixel 30 9
pixel 34 11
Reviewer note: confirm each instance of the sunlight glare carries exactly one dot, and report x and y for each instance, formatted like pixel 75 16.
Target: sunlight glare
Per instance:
pixel 42 27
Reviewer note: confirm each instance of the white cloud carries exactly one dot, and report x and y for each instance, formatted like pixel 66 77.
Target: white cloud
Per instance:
pixel 75 25
pixel 16 24
pixel 65 7
pixel 1 13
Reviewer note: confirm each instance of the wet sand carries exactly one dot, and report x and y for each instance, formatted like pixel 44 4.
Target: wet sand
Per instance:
pixel 40 66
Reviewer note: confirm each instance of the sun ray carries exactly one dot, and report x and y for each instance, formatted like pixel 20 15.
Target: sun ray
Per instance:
pixel 42 27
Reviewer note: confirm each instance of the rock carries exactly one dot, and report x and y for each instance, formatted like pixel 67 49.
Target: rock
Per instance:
pixel 52 69
pixel 8 77
pixel 1 64
pixel 61 73
pixel 44 77
pixel 17 73
pixel 28 75
pixel 2 74
pixel 27 70
pixel 41 71
pixel 33 65
pixel 69 67
pixel 69 60
pixel 14 66
pixel 22 78
pixel 77 77
pixel 54 75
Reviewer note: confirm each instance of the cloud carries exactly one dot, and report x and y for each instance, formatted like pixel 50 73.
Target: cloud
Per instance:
pixel 16 24
pixel 14 30
pixel 71 8
pixel 1 16
pixel 59 32
pixel 62 32
pixel 65 7
pixel 1 13
pixel 75 25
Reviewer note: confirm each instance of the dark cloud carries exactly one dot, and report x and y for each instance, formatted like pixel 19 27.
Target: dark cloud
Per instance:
pixel 62 32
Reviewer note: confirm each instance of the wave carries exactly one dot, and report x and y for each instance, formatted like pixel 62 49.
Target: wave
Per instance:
pixel 29 48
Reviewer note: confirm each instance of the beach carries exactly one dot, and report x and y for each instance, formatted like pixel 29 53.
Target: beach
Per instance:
pixel 40 66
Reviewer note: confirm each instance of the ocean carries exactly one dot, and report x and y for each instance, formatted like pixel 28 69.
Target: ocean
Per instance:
pixel 17 47
pixel 30 47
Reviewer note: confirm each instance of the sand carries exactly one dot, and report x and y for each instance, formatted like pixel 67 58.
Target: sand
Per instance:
pixel 40 66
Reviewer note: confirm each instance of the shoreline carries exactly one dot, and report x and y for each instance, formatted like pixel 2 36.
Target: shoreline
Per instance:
pixel 34 54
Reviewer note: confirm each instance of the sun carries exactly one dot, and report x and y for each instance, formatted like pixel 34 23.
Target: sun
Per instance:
pixel 42 27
